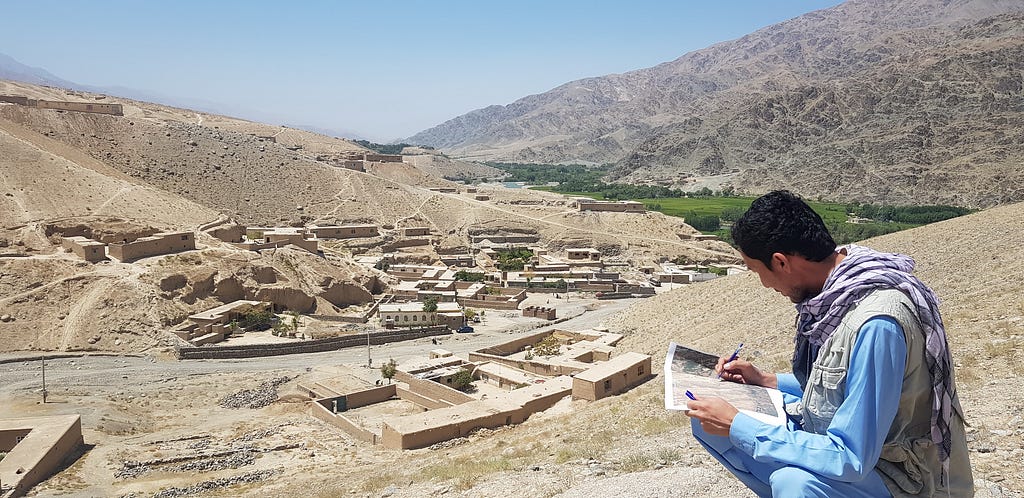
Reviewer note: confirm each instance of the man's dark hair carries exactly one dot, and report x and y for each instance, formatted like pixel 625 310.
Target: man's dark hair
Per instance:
pixel 782 222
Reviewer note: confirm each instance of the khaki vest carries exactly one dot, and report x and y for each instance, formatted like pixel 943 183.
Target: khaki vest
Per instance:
pixel 909 464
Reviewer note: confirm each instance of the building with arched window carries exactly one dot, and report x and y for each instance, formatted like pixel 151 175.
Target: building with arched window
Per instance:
pixel 413 315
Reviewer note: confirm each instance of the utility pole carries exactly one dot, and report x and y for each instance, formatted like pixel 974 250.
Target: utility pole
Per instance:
pixel 369 361
pixel 42 358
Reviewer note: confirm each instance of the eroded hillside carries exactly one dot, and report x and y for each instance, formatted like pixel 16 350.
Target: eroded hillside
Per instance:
pixel 156 169
pixel 972 263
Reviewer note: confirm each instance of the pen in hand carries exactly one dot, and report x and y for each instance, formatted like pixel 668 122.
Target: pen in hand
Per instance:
pixel 735 355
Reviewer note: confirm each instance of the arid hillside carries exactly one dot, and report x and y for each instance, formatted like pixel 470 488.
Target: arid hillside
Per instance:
pixel 260 182
pixel 873 100
pixel 973 263
pixel 118 178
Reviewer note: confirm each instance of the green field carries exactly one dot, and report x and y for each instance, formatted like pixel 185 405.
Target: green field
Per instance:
pixel 676 206
pixel 834 214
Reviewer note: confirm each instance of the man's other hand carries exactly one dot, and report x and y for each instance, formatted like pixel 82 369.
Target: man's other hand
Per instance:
pixel 715 414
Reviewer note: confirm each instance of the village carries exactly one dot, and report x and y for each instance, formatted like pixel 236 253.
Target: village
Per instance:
pixel 506 283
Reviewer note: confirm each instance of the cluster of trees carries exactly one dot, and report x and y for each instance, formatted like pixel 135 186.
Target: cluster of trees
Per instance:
pixel 513 260
pixel 916 215
pixel 846 233
pixel 618 191
pixel 469 276
pixel 703 222
pixel 544 173
pixel 557 284
pixel 388 148
pixel 547 347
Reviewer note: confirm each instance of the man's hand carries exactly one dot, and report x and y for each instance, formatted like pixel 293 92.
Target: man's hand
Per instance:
pixel 744 372
pixel 715 414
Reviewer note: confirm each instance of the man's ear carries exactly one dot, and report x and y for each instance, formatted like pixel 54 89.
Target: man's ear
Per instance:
pixel 781 262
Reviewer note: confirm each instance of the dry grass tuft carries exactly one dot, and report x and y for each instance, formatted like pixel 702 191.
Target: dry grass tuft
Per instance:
pixel 466 471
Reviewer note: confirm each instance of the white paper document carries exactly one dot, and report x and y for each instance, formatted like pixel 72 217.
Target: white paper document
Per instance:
pixel 691 370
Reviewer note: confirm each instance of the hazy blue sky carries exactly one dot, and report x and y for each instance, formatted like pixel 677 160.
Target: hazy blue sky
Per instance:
pixel 383 68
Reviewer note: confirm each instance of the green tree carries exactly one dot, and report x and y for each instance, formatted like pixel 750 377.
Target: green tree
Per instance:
pixel 731 213
pixel 280 328
pixel 430 304
pixel 467 276
pixel 704 223
pixel 463 380
pixel 257 319
pixel 294 321
pixel 389 369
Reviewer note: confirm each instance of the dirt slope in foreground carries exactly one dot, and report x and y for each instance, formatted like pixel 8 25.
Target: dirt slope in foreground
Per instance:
pixel 973 263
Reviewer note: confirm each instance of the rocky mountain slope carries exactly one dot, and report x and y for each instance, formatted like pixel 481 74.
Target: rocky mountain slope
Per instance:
pixel 872 100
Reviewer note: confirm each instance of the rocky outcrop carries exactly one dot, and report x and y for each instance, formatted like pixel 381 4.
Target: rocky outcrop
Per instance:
pixel 288 298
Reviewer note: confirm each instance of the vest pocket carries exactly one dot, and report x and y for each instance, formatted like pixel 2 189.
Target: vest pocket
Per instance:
pixel 826 390
pixel 904 464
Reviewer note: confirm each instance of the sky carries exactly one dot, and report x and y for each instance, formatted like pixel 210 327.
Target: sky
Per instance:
pixel 382 69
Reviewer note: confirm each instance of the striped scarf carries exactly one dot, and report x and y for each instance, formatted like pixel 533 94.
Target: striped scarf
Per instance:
pixel 860 273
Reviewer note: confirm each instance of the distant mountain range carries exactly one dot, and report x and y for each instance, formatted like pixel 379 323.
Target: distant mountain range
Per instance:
pixel 11 69
pixel 902 101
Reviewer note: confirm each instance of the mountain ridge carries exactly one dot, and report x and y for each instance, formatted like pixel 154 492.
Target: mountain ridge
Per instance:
pixel 706 112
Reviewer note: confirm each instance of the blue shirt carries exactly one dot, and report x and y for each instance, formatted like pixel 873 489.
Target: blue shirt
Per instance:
pixel 850 447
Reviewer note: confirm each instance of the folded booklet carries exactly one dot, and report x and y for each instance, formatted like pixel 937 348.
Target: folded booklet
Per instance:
pixel 691 370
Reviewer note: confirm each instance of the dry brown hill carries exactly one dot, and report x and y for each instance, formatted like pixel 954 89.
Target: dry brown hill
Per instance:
pixel 157 168
pixel 440 166
pixel 973 263
pixel 259 182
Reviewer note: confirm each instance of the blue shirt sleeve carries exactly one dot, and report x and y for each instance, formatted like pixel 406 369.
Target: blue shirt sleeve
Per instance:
pixel 851 445
pixel 788 384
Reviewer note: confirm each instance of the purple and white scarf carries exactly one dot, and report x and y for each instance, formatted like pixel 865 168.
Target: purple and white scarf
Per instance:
pixel 861 272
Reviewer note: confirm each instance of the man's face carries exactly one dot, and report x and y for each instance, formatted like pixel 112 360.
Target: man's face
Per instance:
pixel 779 277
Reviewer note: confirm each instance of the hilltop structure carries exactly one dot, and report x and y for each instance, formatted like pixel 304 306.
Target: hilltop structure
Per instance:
pixel 63 105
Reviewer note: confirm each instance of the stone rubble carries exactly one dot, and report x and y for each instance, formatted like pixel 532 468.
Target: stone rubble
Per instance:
pixel 253 399
pixel 205 486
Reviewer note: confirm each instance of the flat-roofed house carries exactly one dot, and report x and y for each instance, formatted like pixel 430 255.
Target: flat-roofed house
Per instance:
pixel 297 237
pixel 213 325
pixel 614 206
pixel 424 429
pixel 584 253
pixel 35 448
pixel 87 249
pixel 413 315
pixel 343 231
pixel 612 377
pixel 415 231
pixel 161 243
